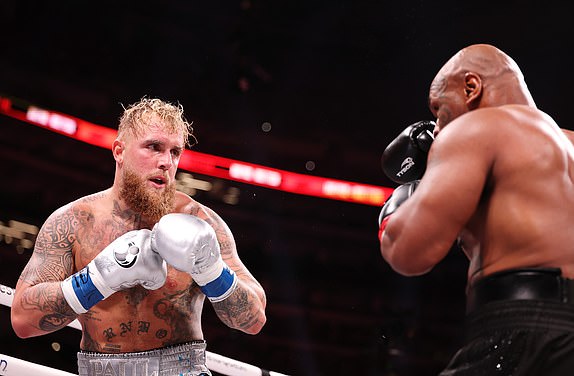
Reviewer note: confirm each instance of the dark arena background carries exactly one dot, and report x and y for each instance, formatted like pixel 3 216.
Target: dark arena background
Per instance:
pixel 302 92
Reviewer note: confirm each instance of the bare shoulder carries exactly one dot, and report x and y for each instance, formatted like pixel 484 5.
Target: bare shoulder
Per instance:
pixel 186 204
pixel 78 211
pixel 498 127
pixel 569 134
pixel 473 136
pixel 59 231
pixel 52 258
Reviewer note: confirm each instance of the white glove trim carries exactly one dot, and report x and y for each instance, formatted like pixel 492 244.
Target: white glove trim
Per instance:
pixel 210 274
pixel 217 282
pixel 70 295
pixel 84 289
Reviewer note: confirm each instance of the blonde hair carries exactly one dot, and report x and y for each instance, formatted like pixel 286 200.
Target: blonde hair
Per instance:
pixel 140 114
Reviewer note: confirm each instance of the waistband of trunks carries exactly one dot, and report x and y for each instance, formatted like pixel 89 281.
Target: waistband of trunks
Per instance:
pixel 186 359
pixel 545 284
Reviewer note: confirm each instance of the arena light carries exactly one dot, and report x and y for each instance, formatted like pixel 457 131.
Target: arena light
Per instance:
pixel 21 234
pixel 203 163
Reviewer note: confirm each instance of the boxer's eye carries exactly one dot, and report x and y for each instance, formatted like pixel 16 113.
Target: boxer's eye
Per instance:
pixel 153 146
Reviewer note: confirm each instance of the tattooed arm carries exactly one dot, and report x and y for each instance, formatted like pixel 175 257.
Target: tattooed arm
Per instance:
pixel 39 306
pixel 244 309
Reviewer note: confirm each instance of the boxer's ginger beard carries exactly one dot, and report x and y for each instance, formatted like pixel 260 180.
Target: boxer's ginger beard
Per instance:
pixel 151 205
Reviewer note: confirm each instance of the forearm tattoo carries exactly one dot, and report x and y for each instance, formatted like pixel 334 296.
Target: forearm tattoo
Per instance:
pixel 237 311
pixel 242 309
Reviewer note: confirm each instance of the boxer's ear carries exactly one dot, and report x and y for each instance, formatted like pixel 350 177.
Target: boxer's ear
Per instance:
pixel 118 148
pixel 472 89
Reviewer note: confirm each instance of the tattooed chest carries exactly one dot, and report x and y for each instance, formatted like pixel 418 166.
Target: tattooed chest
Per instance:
pixel 91 240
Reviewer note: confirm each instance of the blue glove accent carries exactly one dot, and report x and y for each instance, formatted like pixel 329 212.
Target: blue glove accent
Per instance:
pixel 221 287
pixel 86 292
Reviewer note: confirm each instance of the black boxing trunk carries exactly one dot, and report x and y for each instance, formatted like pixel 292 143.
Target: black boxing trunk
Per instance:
pixel 519 322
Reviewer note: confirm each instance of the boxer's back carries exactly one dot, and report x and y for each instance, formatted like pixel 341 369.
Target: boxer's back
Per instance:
pixel 526 212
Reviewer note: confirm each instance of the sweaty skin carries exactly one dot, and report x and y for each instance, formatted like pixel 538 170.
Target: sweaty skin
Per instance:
pixel 135 319
pixel 499 179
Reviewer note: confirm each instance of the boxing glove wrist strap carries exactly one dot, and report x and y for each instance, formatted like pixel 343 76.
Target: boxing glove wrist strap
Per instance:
pixel 85 289
pixel 218 282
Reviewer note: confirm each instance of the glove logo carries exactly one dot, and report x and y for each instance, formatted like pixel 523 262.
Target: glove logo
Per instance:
pixel 128 258
pixel 405 166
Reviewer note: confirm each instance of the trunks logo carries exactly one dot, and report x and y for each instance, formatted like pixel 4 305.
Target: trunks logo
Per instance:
pixel 127 259
pixel 406 165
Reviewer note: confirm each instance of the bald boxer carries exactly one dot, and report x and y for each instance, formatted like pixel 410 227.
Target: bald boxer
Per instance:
pixel 499 180
pixel 134 262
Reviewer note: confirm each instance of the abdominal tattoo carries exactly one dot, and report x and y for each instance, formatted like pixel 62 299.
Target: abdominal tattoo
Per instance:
pixel 122 330
pixel 174 309
pixel 125 328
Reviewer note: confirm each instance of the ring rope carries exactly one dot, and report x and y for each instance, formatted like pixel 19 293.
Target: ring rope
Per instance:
pixel 10 366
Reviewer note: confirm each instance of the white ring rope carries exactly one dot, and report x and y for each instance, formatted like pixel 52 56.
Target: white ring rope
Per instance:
pixel 10 366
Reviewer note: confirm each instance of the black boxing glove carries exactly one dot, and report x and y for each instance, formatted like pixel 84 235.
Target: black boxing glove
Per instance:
pixel 400 195
pixel 405 159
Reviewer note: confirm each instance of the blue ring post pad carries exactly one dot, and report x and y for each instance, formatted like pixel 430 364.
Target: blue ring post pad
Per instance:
pixel 87 293
pixel 220 285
